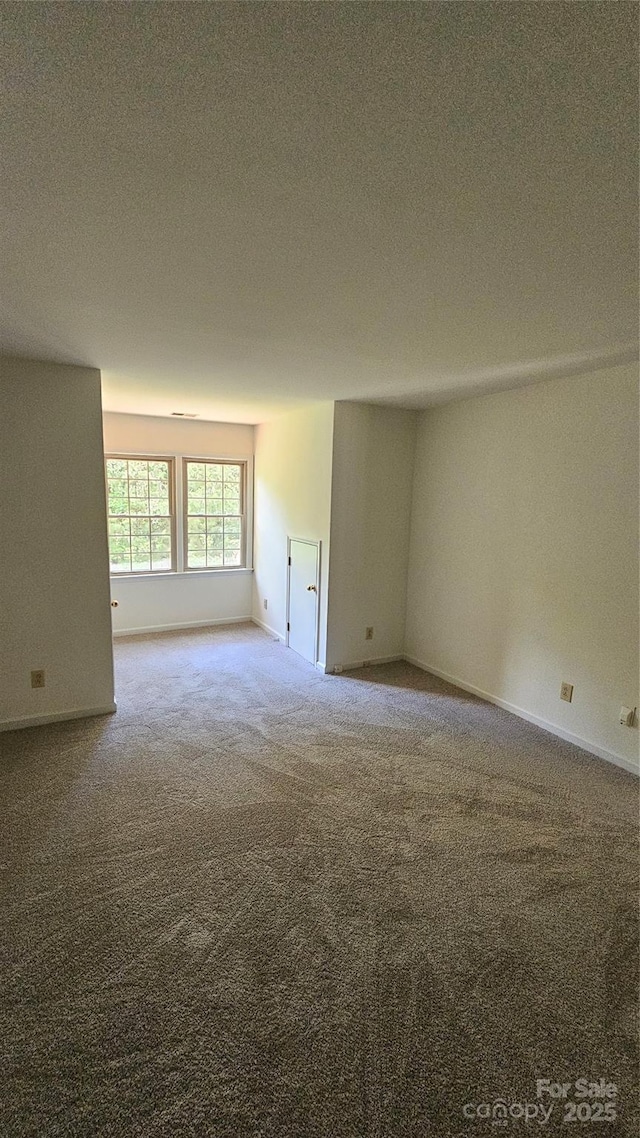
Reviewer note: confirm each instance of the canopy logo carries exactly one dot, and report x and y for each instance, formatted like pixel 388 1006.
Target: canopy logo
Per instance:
pixel 500 1112
pixel 580 1100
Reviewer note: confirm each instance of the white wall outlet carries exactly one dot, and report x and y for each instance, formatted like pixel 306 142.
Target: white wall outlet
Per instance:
pixel 38 678
pixel 337 670
pixel 566 692
pixel 368 633
pixel 265 603
pixel 627 716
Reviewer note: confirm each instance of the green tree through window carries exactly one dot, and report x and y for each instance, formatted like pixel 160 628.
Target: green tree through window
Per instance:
pixel 214 514
pixel 141 519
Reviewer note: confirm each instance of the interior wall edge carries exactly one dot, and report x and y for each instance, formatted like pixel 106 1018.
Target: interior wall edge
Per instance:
pixel 56 717
pixel 536 720
pixel 267 628
pixel 146 630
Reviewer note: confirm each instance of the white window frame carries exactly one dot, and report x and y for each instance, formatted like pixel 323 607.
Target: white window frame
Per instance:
pixel 243 513
pixel 173 517
pixel 180 517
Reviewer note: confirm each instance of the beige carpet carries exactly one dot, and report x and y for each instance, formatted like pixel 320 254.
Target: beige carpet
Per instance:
pixel 260 901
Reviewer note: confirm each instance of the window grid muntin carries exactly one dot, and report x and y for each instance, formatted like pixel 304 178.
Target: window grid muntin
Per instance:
pixel 140 517
pixel 237 521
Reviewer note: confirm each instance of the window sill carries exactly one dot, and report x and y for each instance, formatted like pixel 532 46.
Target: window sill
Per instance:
pixel 171 574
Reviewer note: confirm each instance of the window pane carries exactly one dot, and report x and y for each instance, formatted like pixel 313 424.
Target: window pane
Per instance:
pixel 138 468
pixel 120 565
pixel 161 545
pixel 139 510
pixel 214 505
pixel 138 506
pixel 159 506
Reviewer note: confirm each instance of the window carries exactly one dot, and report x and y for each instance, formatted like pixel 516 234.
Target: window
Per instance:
pixel 214 494
pixel 168 515
pixel 141 514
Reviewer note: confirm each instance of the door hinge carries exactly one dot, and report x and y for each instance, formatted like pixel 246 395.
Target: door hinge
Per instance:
pixel 288 627
pixel 289 560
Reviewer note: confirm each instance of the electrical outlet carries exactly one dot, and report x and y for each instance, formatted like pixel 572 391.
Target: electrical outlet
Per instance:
pixel 265 603
pixel 37 678
pixel 566 692
pixel 368 634
pixel 627 716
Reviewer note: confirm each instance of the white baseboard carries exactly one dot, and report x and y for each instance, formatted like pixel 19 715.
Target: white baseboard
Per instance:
pixel 55 717
pixel 147 630
pixel 552 728
pixel 354 665
pixel 266 628
pixel 322 667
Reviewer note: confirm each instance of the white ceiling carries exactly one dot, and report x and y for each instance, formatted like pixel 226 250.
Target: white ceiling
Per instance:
pixel 235 208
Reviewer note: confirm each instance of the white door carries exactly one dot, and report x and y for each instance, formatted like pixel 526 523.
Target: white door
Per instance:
pixel 302 600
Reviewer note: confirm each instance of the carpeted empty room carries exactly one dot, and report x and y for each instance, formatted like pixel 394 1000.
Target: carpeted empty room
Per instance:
pixel 319 504
pixel 264 901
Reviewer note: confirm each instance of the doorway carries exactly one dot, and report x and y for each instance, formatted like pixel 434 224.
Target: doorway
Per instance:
pixel 303 587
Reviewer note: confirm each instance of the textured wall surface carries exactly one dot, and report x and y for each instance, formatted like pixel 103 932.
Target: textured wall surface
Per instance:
pixel 54 570
pixel 523 570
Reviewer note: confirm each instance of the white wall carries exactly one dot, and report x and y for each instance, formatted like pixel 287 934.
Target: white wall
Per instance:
pixel 524 551
pixel 373 456
pixel 293 456
pixel 146 603
pixel 54 570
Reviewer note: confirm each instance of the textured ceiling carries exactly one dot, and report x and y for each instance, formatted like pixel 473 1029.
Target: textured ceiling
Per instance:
pixel 233 208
